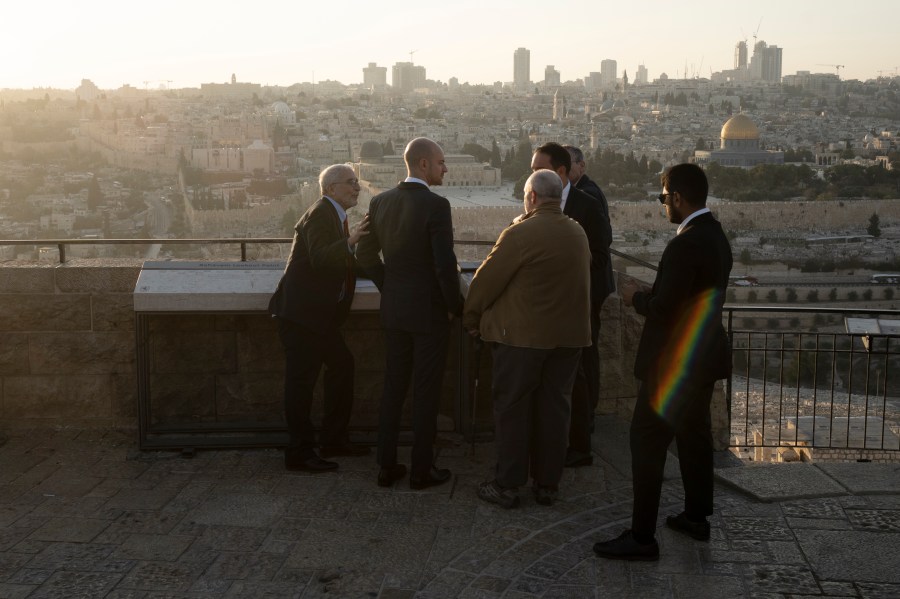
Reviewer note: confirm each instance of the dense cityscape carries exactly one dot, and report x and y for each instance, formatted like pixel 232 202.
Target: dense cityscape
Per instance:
pixel 239 159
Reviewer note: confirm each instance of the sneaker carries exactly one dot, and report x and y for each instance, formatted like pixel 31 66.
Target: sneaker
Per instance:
pixel 695 530
pixel 625 547
pixel 491 492
pixel 545 494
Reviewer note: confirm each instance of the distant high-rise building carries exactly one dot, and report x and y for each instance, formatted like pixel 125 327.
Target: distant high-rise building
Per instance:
pixel 551 76
pixel 374 75
pixel 608 70
pixel 522 68
pixel 765 65
pixel 592 81
pixel 740 55
pixel 641 77
pixel 405 76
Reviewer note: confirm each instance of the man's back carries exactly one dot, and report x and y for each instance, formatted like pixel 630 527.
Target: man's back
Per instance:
pixel 412 228
pixel 686 301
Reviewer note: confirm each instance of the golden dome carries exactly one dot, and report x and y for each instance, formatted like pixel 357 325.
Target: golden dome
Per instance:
pixel 739 127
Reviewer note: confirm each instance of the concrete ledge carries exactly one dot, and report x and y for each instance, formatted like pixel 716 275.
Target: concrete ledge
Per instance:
pixel 780 482
pixel 865 479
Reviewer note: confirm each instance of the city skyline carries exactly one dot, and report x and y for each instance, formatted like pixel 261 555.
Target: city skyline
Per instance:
pixel 187 44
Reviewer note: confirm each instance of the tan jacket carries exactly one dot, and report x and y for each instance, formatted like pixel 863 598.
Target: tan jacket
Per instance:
pixel 533 290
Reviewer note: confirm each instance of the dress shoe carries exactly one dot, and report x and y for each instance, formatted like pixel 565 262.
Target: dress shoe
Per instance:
pixel 626 547
pixel 436 476
pixel 311 464
pixel 387 475
pixel 346 449
pixel 545 494
pixel 695 530
pixel 576 459
pixel 492 492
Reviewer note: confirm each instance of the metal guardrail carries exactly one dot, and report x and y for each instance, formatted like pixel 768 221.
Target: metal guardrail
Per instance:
pixel 794 384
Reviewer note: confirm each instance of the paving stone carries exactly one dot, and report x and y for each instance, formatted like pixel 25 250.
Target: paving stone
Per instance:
pixel 687 586
pixel 830 508
pixel 162 576
pixel 139 546
pixel 862 478
pixel 72 585
pixel 783 579
pixel 838 588
pixel 75 530
pixel 818 523
pixel 233 538
pixel 781 482
pixel 874 590
pixel 763 529
pixel 71 556
pixel 852 555
pixel 270 590
pixel 240 509
pixel 15 591
pixel 884 520
pixel 10 563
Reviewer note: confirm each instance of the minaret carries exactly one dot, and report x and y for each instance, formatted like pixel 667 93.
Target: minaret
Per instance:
pixel 556 105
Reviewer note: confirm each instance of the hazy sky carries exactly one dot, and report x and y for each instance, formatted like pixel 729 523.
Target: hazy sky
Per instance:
pixel 188 42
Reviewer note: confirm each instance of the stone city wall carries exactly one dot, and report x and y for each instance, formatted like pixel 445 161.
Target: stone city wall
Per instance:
pixel 800 216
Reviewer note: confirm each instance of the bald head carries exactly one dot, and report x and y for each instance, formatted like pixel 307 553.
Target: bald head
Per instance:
pixel 425 160
pixel 542 187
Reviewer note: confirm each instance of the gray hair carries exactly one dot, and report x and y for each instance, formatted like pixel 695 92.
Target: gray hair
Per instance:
pixel 546 185
pixel 331 175
pixel 576 154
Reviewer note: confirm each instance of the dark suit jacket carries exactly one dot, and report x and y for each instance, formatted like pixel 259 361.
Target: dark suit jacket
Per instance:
pixel 586 211
pixel 309 289
pixel 684 328
pixel 588 186
pixel 418 278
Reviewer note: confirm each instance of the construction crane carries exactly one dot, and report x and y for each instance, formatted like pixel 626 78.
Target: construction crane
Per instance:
pixel 837 67
pixel 757 31
pixel 411 52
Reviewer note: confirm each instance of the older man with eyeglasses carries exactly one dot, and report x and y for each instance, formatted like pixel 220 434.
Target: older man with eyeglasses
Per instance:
pixel 311 302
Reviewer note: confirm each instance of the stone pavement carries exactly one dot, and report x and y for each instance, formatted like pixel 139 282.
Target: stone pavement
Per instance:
pixel 83 514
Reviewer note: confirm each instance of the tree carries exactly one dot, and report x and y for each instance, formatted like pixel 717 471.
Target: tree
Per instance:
pixel 495 154
pixel 867 295
pixel 791 294
pixel 874 229
pixel 95 196
pixel 772 296
pixel 745 256
pixel 812 296
pixel 888 293
pixel 832 295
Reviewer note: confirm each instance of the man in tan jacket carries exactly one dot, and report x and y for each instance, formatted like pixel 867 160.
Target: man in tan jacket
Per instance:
pixel 530 300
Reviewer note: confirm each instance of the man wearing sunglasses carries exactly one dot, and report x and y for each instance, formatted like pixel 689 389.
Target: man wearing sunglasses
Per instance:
pixel 682 352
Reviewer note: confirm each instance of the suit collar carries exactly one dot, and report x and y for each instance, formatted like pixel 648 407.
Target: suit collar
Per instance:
pixel 341 213
pixel 693 218
pixel 415 180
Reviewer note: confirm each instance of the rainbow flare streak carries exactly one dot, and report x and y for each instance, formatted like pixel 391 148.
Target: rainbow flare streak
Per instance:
pixel 694 333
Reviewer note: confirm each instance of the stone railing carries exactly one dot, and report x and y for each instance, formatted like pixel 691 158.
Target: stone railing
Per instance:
pixel 67 357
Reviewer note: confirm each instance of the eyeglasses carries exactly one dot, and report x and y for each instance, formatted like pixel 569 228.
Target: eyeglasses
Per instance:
pixel 353 182
pixel 663 196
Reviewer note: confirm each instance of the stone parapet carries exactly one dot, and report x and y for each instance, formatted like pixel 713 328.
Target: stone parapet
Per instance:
pixel 68 358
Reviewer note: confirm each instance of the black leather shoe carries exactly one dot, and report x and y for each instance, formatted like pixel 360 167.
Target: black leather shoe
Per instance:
pixel 387 476
pixel 310 464
pixel 347 450
pixel 695 530
pixel 625 547
pixel 577 459
pixel 436 476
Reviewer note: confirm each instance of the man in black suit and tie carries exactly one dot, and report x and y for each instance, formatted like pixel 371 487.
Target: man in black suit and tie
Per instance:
pixel 587 212
pixel 311 302
pixel 419 283
pixel 582 182
pixel 682 352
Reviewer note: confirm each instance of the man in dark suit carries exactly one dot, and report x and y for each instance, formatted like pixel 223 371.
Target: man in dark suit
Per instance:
pixel 586 211
pixel 311 302
pixel 582 182
pixel 682 352
pixel 419 283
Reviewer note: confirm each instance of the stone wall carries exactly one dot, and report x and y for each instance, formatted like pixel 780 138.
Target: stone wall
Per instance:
pixel 67 357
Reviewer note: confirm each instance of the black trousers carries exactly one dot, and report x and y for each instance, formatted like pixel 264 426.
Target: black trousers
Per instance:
pixel 586 390
pixel 531 393
pixel 305 353
pixel 420 357
pixel 688 421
